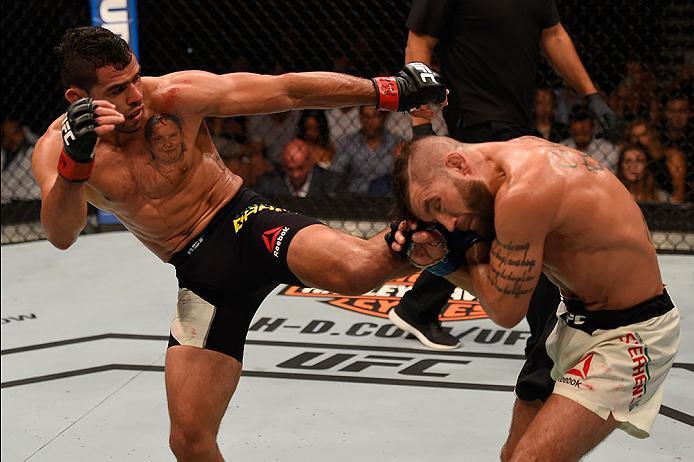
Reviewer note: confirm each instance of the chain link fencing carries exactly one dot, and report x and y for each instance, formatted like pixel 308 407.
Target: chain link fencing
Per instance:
pixel 639 53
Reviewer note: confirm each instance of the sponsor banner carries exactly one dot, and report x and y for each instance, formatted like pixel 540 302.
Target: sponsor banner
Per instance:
pixel 118 16
pixel 460 307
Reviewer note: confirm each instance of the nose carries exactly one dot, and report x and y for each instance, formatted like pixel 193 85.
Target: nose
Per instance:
pixel 134 95
pixel 448 221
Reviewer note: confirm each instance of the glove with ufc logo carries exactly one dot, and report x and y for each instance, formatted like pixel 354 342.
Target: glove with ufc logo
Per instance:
pixel 77 158
pixel 416 84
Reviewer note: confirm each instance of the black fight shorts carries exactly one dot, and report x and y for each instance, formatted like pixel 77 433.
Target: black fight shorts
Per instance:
pixel 225 272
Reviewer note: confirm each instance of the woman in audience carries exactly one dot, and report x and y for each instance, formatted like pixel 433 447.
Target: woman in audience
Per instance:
pixel 668 165
pixel 633 171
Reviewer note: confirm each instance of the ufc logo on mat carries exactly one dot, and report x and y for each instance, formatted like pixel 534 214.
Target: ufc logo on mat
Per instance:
pixel 424 72
pixel 67 132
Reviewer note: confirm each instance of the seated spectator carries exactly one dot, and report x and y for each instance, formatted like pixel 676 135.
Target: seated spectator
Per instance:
pixel 545 123
pixel 229 136
pixel 18 183
pixel 313 129
pixel 634 97
pixel 366 155
pixel 678 129
pixel 634 173
pixel 272 132
pixel 668 166
pixel 299 176
pixel 342 121
pixel 582 130
pixel 678 132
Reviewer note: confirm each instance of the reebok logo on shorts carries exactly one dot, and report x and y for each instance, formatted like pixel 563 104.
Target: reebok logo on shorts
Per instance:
pixel 580 370
pixel 273 239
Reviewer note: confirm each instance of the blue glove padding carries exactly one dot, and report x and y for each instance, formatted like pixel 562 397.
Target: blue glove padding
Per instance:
pixel 458 242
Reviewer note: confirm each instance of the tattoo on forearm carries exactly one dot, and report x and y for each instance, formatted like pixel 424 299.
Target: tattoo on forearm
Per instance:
pixel 563 158
pixel 511 271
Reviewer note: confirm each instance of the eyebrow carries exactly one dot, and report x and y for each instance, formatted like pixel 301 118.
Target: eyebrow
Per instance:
pixel 116 85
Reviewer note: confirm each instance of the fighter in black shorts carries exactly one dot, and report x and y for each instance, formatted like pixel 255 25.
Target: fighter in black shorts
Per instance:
pixel 227 271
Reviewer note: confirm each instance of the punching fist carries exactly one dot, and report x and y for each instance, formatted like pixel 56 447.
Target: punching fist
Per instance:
pixel 84 121
pixel 79 139
pixel 416 84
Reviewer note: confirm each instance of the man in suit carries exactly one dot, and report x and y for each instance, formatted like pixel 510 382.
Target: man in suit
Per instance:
pixel 298 177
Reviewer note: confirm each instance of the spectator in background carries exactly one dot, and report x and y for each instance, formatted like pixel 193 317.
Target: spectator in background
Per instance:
pixel 678 132
pixel 545 123
pixel 582 131
pixel 298 176
pixel 668 166
pixel 634 97
pixel 18 183
pixel 273 131
pixel 677 129
pixel 366 155
pixel 229 137
pixel 342 121
pixel 313 130
pixel 634 173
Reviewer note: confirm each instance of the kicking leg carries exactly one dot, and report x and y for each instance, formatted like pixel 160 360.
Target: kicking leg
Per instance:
pixel 562 430
pixel 199 385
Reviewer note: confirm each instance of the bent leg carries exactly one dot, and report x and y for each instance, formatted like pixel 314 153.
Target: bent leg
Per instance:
pixel 523 414
pixel 562 430
pixel 199 385
pixel 328 259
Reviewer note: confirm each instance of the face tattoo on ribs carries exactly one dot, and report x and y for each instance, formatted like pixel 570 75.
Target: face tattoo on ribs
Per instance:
pixel 164 135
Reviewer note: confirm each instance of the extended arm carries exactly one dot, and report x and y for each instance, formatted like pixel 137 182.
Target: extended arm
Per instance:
pixel 235 94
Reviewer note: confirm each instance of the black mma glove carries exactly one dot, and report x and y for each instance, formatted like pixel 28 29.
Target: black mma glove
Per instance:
pixel 77 158
pixel 416 84
pixel 604 115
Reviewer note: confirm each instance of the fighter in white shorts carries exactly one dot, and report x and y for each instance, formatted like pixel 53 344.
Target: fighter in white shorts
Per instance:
pixel 514 210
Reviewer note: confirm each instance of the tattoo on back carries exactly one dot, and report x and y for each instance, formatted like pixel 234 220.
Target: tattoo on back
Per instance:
pixel 563 158
pixel 511 271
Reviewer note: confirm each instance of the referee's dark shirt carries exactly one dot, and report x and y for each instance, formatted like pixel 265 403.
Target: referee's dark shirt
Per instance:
pixel 488 51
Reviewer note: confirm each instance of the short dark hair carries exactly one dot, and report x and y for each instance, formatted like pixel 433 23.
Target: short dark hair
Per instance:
pixel 401 184
pixel 163 117
pixel 82 50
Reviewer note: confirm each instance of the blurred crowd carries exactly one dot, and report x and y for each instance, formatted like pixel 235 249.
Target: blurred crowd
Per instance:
pixel 351 150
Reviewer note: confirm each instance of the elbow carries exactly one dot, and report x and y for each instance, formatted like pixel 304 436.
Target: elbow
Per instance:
pixel 61 243
pixel 507 318
pixel 507 322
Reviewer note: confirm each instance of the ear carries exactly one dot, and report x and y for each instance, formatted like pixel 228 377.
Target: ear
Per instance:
pixel 72 94
pixel 457 161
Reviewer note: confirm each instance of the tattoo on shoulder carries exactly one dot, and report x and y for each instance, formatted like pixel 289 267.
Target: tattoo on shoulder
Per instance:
pixel 564 158
pixel 511 271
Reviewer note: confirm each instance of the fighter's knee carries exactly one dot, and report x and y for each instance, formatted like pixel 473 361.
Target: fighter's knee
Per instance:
pixel 192 444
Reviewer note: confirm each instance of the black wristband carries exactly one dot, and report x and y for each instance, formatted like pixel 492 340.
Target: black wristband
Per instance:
pixel 420 131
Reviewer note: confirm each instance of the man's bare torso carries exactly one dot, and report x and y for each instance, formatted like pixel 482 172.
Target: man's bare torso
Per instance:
pixel 598 248
pixel 165 187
